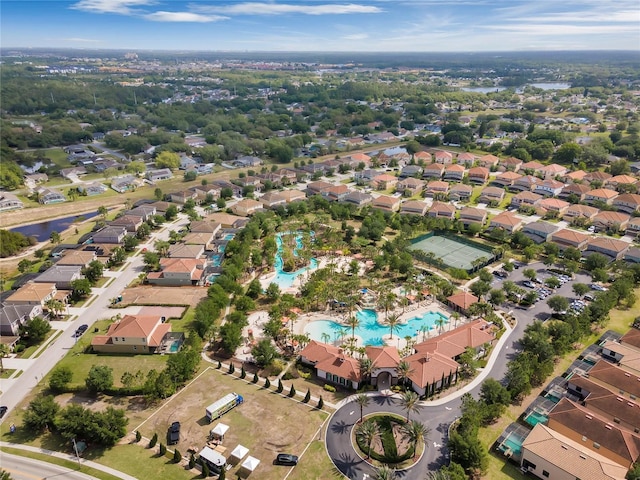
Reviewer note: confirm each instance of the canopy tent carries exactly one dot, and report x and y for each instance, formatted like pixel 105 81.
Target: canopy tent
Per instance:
pixel 250 464
pixel 239 452
pixel 219 430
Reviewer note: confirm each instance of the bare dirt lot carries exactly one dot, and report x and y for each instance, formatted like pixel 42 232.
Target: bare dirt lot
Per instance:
pixel 266 423
pixel 149 295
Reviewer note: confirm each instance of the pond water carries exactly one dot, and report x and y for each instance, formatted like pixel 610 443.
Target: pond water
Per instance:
pixel 41 231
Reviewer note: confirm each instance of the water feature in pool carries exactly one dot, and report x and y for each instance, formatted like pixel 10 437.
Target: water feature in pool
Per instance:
pixel 285 279
pixel 369 330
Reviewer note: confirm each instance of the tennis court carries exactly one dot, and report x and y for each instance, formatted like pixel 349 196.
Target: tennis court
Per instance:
pixel 452 253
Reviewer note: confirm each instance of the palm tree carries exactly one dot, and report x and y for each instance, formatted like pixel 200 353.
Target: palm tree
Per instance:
pixel 410 401
pixel 54 306
pixel 325 337
pixel 4 352
pixel 415 432
pixel 366 432
pixel 366 368
pixel 424 329
pixel 392 322
pixel 385 472
pixel 440 321
pixel 162 247
pixel 354 323
pixel 404 371
pixel 456 318
pixel 363 401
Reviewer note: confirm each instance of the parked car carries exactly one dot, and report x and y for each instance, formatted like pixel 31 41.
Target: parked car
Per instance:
pixel 80 330
pixel 286 459
pixel 3 410
pixel 173 435
pixel 600 288
pixel 529 283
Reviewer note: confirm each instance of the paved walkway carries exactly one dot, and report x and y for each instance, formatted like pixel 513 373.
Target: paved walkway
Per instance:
pixel 72 458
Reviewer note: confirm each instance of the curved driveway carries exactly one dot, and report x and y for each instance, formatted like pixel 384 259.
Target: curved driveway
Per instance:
pixel 437 414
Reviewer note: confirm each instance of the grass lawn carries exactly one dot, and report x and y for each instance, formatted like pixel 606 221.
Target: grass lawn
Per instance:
pixel 59 461
pixel 27 352
pixel 477 190
pixel 59 157
pixel 315 464
pixel 7 372
pixel 266 423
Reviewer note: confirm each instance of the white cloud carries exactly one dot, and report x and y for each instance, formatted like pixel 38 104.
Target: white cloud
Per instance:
pixel 258 8
pixel 562 30
pixel 111 6
pixel 184 17
pixel 81 40
pixel 356 36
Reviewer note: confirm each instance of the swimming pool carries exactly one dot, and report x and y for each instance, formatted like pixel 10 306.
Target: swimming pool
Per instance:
pixel 175 346
pixel 212 278
pixel 285 279
pixel 229 236
pixel 369 330
pixel 215 259
pixel 533 418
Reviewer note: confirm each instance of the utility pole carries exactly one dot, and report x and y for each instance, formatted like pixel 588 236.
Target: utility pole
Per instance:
pixel 75 447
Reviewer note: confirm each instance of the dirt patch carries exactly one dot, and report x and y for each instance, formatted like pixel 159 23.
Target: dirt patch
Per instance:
pixel 266 423
pixel 150 295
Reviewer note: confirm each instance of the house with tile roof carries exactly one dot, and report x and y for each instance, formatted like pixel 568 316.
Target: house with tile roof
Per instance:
pixel 384 360
pixel 570 238
pixel 411 171
pixel 507 221
pixel 227 220
pixel 549 187
pixel 246 207
pixel 205 226
pixel 469 215
pixel 525 199
pixel 553 170
pixel 292 195
pixel 595 433
pixel 60 275
pixel 272 200
pixel 442 210
pixel 633 227
pixel 433 170
pixel 574 190
pixel 177 272
pixel 357 198
pixel 206 239
pixel 414 207
pixel 32 293
pixel 553 205
pixel 603 195
pixel 615 377
pixel 332 364
pixel 580 211
pixel 491 195
pixel 505 179
pixel 454 172
pixel 436 189
pixel 511 164
pixel 632 255
pixel 574 177
pixel 533 166
pixel 547 453
pixel 132 334
pixel 623 354
pixel 460 192
pixel 384 181
pixel 461 301
pixel 336 193
pixel 466 158
pixel 110 234
pixel 443 157
pixel 81 258
pixel 479 175
pixel 526 183
pixel 539 231
pixel 627 202
pixel 597 176
pixel 488 161
pixel 316 188
pixel 183 196
pixel 621 183
pixel 427 371
pixel 47 196
pixel 410 186
pixel 610 221
pixel 426 157
pixel 386 203
pixel 180 250
pixel 610 247
pixel 130 222
pixel 8 201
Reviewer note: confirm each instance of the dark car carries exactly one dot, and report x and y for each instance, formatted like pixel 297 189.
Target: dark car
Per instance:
pixel 81 329
pixel 286 459
pixel 173 435
pixel 3 410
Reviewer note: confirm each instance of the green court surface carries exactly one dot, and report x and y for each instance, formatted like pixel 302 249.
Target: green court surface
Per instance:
pixel 451 252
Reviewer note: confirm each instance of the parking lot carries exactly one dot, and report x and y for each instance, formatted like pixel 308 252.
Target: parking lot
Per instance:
pixel 540 310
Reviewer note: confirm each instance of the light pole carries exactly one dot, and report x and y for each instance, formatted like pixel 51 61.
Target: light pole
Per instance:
pixel 75 448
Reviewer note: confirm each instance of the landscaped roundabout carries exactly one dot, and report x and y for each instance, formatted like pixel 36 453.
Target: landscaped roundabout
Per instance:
pixel 389 439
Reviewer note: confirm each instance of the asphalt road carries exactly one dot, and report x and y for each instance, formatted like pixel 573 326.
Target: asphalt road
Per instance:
pixel 23 468
pixel 15 390
pixel 437 416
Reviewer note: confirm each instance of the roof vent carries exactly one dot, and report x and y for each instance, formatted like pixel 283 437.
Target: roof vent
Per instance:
pixel 608 427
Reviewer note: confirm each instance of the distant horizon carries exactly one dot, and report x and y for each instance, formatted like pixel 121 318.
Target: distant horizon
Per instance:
pixel 376 26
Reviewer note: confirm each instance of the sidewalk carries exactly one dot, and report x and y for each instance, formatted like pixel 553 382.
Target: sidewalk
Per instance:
pixel 72 458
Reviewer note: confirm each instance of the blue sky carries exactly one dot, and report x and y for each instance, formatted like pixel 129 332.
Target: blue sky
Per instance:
pixel 323 25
